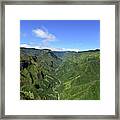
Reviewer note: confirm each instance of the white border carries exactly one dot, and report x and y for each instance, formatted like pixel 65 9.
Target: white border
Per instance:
pixel 104 13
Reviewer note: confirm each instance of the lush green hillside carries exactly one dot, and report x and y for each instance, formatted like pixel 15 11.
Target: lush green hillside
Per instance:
pixel 53 75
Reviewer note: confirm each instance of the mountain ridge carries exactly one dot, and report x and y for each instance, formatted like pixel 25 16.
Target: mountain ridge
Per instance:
pixel 47 74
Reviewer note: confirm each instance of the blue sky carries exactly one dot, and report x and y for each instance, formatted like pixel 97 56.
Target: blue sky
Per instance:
pixel 60 35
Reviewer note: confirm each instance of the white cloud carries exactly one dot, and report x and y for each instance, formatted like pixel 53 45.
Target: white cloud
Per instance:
pixel 44 34
pixel 64 49
pixel 51 48
pixel 71 49
pixel 29 46
pixel 25 45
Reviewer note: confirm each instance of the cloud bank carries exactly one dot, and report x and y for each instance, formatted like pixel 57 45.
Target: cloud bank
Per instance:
pixel 51 48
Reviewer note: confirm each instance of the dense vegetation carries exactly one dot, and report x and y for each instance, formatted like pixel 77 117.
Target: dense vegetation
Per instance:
pixel 53 75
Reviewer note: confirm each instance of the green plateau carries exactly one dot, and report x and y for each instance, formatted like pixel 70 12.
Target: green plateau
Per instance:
pixel 59 75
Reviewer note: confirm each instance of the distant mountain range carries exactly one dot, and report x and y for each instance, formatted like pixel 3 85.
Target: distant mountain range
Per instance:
pixel 59 75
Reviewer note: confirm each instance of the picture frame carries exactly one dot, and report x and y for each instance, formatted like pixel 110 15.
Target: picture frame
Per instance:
pixel 55 2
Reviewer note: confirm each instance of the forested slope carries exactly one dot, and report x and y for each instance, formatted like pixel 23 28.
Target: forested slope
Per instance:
pixel 53 75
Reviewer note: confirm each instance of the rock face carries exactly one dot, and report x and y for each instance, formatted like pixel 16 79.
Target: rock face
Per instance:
pixel 53 75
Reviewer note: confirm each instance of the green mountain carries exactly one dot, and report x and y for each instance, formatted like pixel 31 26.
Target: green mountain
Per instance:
pixel 55 75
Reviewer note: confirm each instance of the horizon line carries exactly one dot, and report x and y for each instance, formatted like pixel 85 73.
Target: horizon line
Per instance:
pixel 98 49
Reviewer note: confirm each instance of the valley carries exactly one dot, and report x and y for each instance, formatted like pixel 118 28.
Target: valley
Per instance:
pixel 59 75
